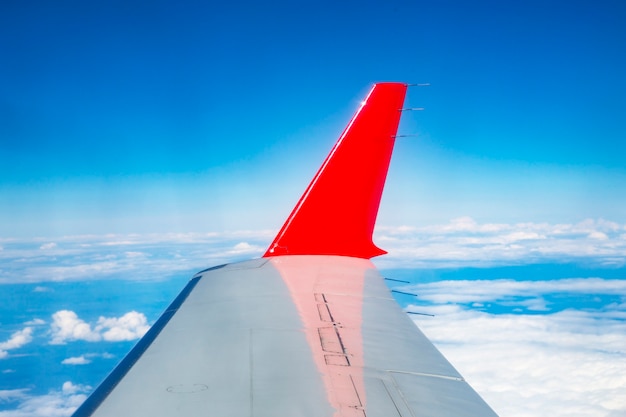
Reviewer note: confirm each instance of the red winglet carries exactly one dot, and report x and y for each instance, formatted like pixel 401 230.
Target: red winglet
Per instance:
pixel 337 212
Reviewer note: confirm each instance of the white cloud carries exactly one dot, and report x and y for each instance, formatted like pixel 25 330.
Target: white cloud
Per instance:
pixel 12 394
pixel 57 403
pixel 70 388
pixel 242 246
pixel 245 248
pixel 16 341
pixel 67 327
pixel 598 235
pixel 130 326
pixel 567 363
pixel 46 246
pixel 76 360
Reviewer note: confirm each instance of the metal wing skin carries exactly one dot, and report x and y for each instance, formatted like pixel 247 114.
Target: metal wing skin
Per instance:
pixel 308 330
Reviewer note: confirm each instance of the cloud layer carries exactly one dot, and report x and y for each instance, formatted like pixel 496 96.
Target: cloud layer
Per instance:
pixel 132 257
pixel 461 242
pixel 67 326
pixel 563 362
pixel 16 341
pixel 465 242
pixel 57 403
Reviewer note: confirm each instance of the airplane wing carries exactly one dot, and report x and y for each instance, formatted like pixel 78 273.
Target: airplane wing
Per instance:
pixel 310 329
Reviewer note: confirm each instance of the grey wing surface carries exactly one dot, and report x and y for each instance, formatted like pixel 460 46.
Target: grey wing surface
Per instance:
pixel 288 336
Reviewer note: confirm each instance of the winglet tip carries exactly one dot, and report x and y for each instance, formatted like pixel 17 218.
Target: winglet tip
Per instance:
pixel 337 212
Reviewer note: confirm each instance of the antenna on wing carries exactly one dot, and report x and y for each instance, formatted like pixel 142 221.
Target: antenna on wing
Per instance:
pixel 419 314
pixel 407 293
pixel 397 280
pixel 412 108
pixel 404 293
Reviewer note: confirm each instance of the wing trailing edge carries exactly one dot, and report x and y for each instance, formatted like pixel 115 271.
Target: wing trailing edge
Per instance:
pixel 337 212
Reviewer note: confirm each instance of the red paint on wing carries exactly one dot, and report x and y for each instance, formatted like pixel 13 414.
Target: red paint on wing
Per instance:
pixel 328 293
pixel 337 213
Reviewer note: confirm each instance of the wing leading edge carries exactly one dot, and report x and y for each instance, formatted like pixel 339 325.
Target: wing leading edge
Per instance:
pixel 310 329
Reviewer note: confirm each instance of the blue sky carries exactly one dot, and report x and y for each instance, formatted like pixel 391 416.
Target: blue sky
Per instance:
pixel 141 141
pixel 116 116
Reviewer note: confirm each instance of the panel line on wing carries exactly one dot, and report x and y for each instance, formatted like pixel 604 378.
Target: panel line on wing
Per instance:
pixel 452 378
pixel 397 399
